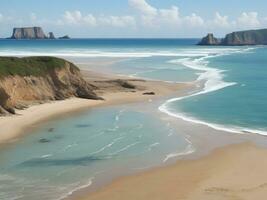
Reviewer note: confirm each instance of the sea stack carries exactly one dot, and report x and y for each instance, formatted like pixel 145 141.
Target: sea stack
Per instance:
pixel 28 33
pixel 209 40
pixel 33 33
pixel 51 36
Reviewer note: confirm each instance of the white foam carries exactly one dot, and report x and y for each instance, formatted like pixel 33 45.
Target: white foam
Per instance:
pixel 78 188
pixel 46 156
pixel 151 146
pixel 213 81
pixel 107 146
pixel 188 150
pixel 124 148
pixel 96 54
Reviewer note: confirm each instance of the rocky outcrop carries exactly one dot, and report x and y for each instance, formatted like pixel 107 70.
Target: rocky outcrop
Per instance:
pixel 24 81
pixel 209 40
pixel 250 37
pixel 51 36
pixel 28 33
pixel 33 33
pixel 65 37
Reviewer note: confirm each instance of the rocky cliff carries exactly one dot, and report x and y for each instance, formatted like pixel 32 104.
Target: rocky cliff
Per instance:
pixel 209 40
pixel 51 36
pixel 28 33
pixel 33 33
pixel 250 37
pixel 24 81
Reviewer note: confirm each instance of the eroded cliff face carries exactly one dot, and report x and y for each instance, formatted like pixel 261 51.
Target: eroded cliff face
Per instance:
pixel 250 37
pixel 59 83
pixel 209 40
pixel 28 33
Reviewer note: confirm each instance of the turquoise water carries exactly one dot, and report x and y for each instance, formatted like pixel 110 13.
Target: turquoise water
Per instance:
pixel 92 148
pixel 237 102
pixel 76 152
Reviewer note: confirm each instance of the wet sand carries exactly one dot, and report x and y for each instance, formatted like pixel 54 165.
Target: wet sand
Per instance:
pixel 235 172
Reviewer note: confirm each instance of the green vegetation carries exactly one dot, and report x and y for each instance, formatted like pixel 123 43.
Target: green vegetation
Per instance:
pixel 35 66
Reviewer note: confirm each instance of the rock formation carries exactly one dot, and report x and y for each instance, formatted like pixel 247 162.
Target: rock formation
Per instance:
pixel 51 36
pixel 32 33
pixel 24 81
pixel 64 37
pixel 250 37
pixel 209 40
pixel 28 33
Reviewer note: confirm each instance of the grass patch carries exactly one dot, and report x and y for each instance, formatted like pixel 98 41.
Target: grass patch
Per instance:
pixel 29 66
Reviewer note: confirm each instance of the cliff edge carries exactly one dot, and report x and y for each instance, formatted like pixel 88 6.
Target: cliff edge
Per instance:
pixel 32 33
pixel 24 81
pixel 28 33
pixel 250 37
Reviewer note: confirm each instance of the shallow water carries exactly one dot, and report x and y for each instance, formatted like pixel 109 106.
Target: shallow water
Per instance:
pixel 71 153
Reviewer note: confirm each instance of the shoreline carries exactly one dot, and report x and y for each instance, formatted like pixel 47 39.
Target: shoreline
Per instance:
pixel 143 183
pixel 113 95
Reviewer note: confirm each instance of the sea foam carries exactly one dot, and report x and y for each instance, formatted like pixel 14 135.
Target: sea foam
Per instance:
pixel 213 81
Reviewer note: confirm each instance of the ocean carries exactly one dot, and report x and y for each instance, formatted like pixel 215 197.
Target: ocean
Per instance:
pixel 98 145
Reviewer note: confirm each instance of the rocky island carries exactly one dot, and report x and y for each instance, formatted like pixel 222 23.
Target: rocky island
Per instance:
pixel 31 33
pixel 28 80
pixel 250 37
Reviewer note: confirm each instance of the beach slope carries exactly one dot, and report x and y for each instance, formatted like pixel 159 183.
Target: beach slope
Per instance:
pixel 231 173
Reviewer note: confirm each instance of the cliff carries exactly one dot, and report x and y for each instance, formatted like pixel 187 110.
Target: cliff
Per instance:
pixel 51 36
pixel 28 33
pixel 33 33
pixel 209 40
pixel 250 37
pixel 24 81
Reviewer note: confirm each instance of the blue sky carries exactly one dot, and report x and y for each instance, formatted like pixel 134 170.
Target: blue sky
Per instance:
pixel 133 18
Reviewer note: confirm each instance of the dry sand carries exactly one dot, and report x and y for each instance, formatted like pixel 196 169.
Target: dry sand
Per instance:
pixel 236 172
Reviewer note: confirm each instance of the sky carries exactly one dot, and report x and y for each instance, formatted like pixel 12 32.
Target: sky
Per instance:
pixel 133 18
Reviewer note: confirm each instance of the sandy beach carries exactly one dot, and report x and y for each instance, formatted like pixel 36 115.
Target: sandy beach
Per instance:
pixel 233 172
pixel 14 126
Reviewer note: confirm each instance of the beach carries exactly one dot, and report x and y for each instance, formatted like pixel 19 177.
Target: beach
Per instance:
pixel 233 172
pixel 110 91
pixel 230 172
pixel 171 126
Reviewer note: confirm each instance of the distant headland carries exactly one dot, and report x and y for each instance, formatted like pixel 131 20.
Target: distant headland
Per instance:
pixel 33 33
pixel 250 37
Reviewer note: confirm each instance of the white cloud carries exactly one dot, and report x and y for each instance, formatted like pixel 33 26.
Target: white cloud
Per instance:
pixel 248 20
pixel 143 7
pixel 116 21
pixel 170 15
pixel 77 18
pixel 159 17
pixel 221 21
pixel 194 20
